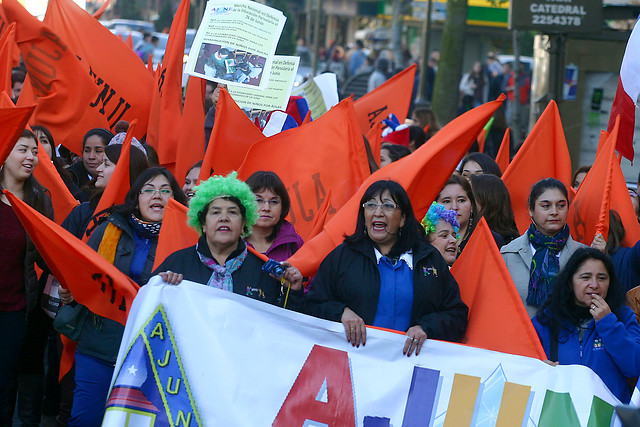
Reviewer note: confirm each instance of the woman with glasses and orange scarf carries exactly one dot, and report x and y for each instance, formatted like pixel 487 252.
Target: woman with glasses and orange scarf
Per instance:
pixel 128 240
pixel 386 274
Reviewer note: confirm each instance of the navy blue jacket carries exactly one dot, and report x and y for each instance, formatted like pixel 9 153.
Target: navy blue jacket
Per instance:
pixel 610 347
pixel 626 264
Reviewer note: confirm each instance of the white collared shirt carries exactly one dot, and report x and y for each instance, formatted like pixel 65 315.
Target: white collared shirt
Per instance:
pixel 407 257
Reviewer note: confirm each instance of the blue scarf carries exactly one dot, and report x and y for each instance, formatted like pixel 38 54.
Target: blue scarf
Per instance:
pixel 545 264
pixel 221 274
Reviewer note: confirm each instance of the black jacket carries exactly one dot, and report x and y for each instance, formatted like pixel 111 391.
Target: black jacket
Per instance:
pixel 248 280
pixel 349 277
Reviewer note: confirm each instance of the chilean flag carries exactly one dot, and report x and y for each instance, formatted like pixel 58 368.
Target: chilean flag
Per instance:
pixel 626 99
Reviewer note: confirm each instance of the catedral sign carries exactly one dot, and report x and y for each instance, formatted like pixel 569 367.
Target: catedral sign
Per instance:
pixel 556 16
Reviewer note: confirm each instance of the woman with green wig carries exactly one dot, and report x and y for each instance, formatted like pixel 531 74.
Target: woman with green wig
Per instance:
pixel 223 210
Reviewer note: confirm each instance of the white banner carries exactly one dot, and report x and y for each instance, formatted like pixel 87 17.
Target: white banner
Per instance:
pixel 194 355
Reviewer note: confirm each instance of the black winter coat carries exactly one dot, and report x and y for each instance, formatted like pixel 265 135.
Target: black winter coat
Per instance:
pixel 349 277
pixel 248 280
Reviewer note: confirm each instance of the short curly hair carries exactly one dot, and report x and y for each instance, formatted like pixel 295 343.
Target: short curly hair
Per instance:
pixel 215 187
pixel 437 212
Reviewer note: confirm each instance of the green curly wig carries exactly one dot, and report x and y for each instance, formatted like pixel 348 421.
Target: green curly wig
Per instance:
pixel 217 186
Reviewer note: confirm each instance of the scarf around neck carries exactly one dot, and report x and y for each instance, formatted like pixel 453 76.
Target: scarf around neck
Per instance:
pixel 545 264
pixel 221 274
pixel 146 229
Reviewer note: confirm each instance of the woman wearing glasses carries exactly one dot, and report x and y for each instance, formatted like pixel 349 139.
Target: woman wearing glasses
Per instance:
pixel 386 274
pixel 128 240
pixel 272 234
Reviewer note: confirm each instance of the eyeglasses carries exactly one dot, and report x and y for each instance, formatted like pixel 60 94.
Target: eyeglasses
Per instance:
pixel 387 207
pixel 272 203
pixel 165 193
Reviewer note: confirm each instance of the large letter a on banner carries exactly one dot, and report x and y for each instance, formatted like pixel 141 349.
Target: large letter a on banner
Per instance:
pixel 326 373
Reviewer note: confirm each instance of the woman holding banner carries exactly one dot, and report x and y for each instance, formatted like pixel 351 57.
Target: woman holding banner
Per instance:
pixel 128 240
pixel 386 274
pixel 585 321
pixel 223 210
pixel 537 256
pixel 19 289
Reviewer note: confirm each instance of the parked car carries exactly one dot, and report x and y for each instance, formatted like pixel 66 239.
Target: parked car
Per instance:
pixel 123 33
pixel 158 52
pixel 131 24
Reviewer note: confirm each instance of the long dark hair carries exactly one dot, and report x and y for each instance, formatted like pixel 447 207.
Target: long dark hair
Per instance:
pixel 488 165
pixel 560 308
pixel 267 180
pixel 495 204
pixel 474 217
pixel 409 235
pixel 35 195
pixel 616 232
pixel 57 161
pixel 130 205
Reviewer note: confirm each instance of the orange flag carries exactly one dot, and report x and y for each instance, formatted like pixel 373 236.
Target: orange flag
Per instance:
pixel 94 282
pixel 392 96
pixel 543 154
pixel 589 210
pixel 4 26
pixel 124 85
pixel 502 158
pixel 119 184
pixel 7 48
pixel 374 137
pixel 191 128
pixel 327 153
pixel 67 357
pixel 231 137
pixel 175 234
pixel 47 175
pixel 129 41
pixel 321 218
pixel 422 174
pixel 62 86
pixel 98 14
pixel 498 320
pixel 13 120
pixel 162 133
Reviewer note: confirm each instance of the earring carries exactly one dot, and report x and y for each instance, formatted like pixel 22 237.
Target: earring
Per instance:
pixel 365 232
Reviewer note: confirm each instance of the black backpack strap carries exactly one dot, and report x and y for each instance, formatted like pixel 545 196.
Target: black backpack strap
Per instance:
pixel 553 356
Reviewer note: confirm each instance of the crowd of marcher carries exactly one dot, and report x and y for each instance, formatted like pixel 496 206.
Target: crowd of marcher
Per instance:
pixel 392 271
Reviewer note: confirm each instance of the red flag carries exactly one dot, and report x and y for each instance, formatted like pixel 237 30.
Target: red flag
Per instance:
pixel 327 153
pixel 124 85
pixel 626 98
pixel 67 357
pixel 119 184
pixel 13 120
pixel 7 48
pixel 163 134
pixel 498 320
pixel 543 154
pixel 191 128
pixel 47 175
pixel 231 137
pixel 175 234
pixel 422 174
pixel 98 14
pixel 502 158
pixel 392 96
pixel 93 281
pixel 61 83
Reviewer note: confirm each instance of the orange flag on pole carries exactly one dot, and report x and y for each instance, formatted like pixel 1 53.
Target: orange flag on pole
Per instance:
pixel 124 85
pixel 62 200
pixel 98 14
pixel 163 134
pixel 589 211
pixel 119 184
pixel 392 96
pixel 544 154
pixel 93 281
pixel 231 137
pixel 191 128
pixel 61 83
pixel 502 158
pixel 374 137
pixel 13 120
pixel 498 320
pixel 321 218
pixel 175 234
pixel 129 41
pixel 327 153
pixel 422 174
pixel 7 49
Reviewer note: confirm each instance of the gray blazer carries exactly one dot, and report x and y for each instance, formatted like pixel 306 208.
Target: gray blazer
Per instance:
pixel 517 255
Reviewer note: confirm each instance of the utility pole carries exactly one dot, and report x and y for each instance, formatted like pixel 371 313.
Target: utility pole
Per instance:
pixel 426 41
